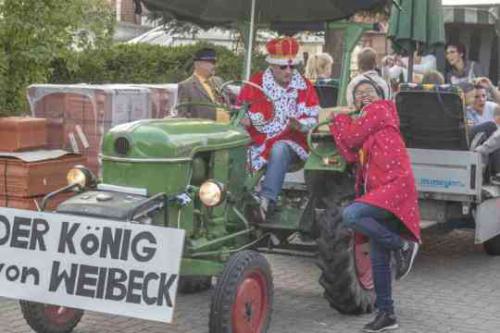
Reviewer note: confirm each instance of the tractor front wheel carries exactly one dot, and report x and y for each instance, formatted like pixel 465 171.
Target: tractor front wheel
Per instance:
pixel 345 264
pixel 45 318
pixel 242 300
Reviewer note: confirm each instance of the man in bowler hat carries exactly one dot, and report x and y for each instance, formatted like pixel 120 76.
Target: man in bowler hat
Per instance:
pixel 202 87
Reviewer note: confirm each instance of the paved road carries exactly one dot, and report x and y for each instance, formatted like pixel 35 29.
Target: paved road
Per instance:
pixel 455 288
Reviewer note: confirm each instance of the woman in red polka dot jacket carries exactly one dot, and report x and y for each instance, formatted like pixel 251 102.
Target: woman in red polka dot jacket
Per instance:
pixel 386 209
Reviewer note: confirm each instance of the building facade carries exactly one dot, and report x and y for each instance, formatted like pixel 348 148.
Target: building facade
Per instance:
pixel 131 18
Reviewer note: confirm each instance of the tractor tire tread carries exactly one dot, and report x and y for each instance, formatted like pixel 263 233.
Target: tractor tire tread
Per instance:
pixel 336 261
pixel 492 246
pixel 33 314
pixel 225 289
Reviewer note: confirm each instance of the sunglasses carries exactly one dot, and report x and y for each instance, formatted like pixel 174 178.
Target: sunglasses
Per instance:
pixel 283 67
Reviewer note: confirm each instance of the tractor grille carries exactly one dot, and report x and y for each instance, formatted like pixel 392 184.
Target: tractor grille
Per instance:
pixel 122 146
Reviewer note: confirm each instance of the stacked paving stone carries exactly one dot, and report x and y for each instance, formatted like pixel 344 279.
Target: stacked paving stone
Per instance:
pixel 71 119
pixel 79 115
pixel 25 179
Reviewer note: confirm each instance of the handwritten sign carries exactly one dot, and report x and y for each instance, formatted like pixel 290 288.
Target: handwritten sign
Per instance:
pixel 88 263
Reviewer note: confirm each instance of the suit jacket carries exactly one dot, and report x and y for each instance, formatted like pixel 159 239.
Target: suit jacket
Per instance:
pixel 191 90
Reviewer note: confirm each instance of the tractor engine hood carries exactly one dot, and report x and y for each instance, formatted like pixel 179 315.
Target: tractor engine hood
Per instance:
pixel 170 138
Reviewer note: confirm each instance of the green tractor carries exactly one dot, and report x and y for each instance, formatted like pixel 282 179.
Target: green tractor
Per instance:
pixel 192 174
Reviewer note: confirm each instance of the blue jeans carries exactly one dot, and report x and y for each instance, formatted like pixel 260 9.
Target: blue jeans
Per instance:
pixel 382 228
pixel 281 157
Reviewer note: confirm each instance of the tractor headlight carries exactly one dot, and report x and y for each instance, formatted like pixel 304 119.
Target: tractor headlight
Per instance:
pixel 80 175
pixel 211 193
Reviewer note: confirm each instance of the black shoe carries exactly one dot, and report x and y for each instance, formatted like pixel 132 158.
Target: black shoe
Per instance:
pixel 383 321
pixel 405 258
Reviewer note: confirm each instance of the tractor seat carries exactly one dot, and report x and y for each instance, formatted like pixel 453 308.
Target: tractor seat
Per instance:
pixel 327 92
pixel 432 117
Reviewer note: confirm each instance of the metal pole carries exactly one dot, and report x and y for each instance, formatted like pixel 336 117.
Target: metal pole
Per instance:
pixel 352 33
pixel 250 42
pixel 411 60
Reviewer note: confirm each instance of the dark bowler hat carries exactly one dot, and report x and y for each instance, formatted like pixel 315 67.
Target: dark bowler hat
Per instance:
pixel 205 54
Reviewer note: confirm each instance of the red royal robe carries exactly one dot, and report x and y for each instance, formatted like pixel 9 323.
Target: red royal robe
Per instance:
pixel 299 100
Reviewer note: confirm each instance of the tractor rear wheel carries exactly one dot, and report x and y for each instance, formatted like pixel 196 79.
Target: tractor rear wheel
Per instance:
pixel 242 300
pixel 45 318
pixel 345 264
pixel 492 246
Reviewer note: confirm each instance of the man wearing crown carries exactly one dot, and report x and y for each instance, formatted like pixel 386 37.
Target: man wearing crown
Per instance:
pixel 279 117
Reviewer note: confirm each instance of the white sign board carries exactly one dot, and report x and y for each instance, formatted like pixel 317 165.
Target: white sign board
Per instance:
pixel 89 263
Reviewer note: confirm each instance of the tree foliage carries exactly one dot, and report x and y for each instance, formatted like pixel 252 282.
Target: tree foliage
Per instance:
pixel 35 32
pixel 70 41
pixel 143 63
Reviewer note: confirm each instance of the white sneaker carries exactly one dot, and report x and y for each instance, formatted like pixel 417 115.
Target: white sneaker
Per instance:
pixel 263 206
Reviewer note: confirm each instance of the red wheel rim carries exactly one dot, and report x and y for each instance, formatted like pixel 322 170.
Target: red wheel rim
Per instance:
pixel 251 305
pixel 59 315
pixel 363 262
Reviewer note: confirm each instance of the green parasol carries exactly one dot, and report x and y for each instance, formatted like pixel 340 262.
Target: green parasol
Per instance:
pixel 416 22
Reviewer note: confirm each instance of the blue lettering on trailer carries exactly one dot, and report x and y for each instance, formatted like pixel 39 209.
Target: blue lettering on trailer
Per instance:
pixel 439 183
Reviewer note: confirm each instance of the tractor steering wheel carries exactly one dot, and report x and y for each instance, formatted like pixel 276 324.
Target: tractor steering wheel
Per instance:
pixel 224 102
pixel 224 88
pixel 224 91
pixel 322 151
pixel 214 105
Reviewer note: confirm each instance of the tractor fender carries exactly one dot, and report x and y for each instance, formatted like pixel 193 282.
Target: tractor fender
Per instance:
pixel 487 220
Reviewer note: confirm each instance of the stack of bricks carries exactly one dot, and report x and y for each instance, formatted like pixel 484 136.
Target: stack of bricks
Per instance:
pixel 163 99
pixel 78 116
pixel 24 184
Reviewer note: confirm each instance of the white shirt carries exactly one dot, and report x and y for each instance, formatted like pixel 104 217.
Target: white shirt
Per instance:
pixel 488 114
pixel 427 63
